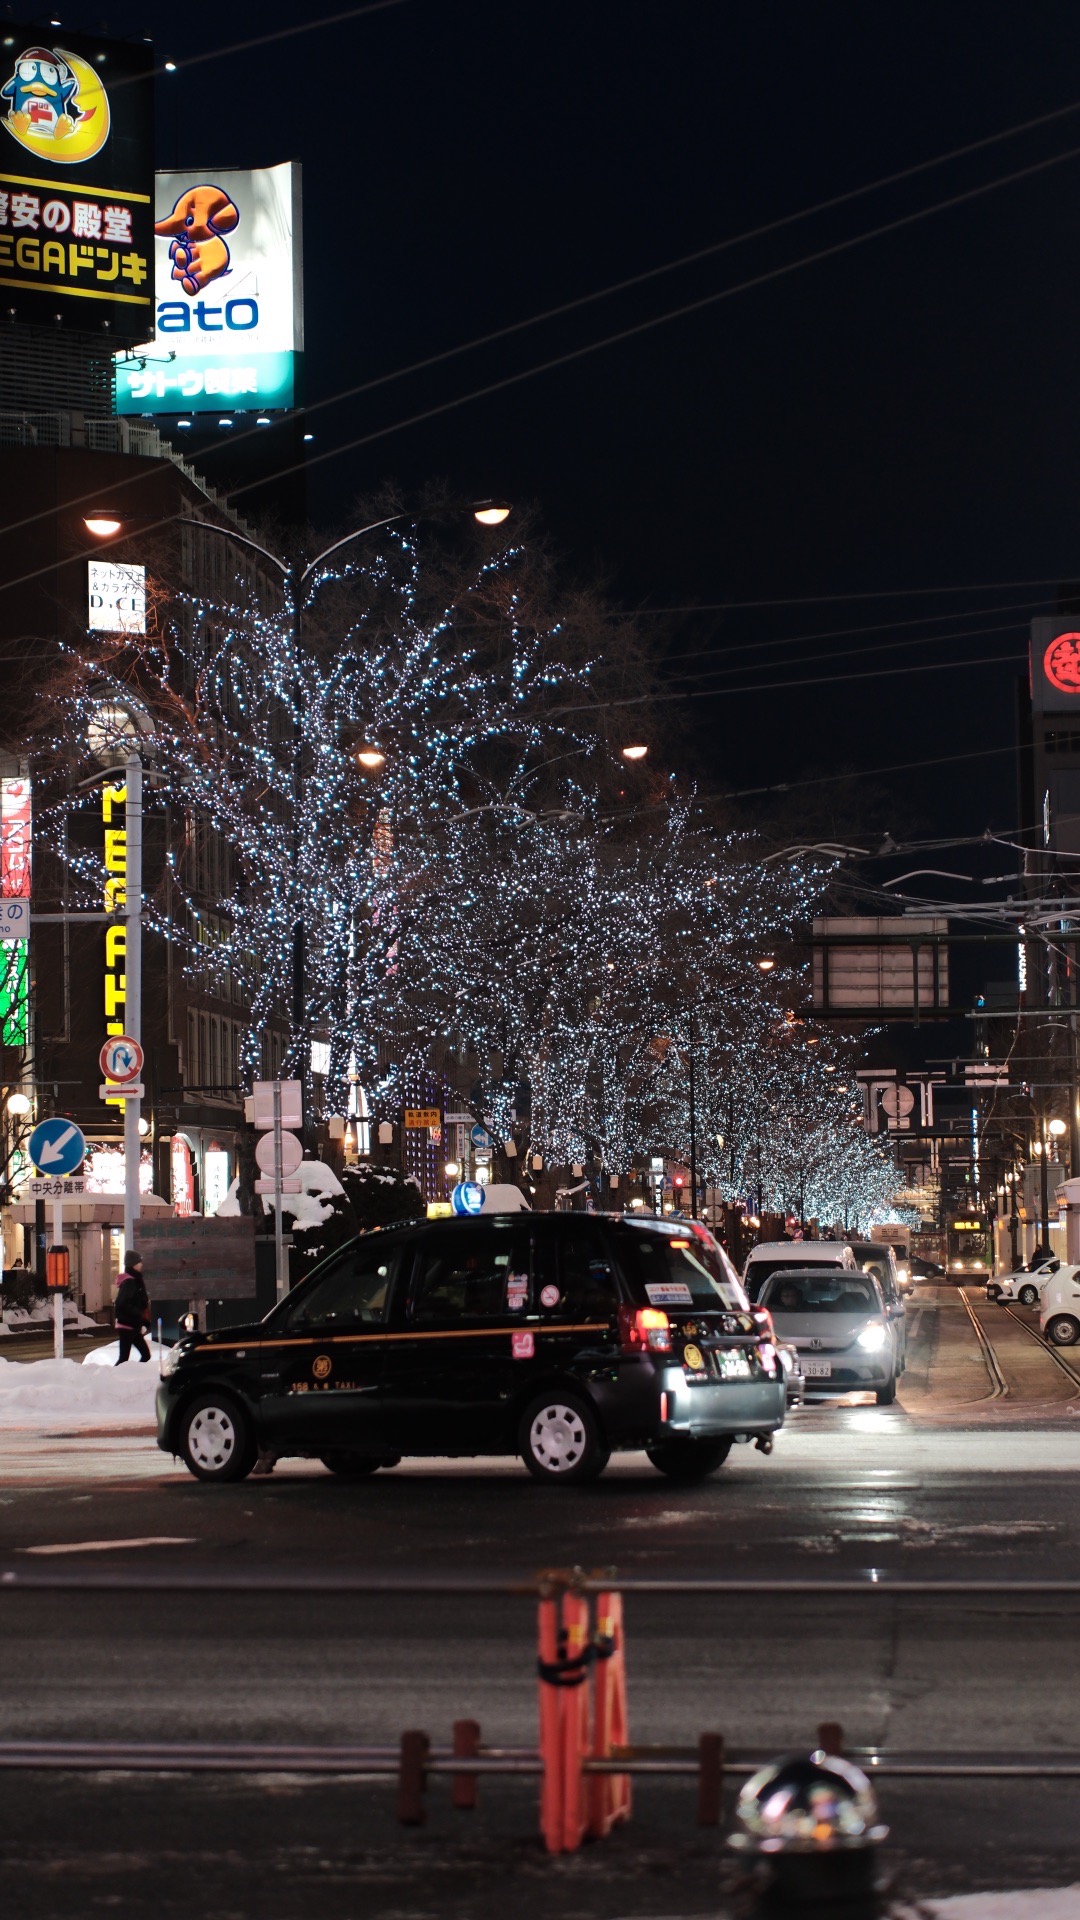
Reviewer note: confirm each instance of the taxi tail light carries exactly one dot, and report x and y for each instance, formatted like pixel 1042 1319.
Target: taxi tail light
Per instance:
pixel 644 1328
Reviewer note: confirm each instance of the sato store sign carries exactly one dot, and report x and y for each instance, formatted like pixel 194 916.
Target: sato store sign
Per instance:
pixel 228 295
pixel 76 179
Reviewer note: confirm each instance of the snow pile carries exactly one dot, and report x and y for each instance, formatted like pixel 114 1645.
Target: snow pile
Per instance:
pixel 50 1394
pixel 1047 1903
pixel 109 1355
pixel 319 1185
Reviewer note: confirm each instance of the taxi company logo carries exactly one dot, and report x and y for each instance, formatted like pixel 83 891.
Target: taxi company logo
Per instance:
pixel 57 108
pixel 694 1359
pixel 321 1365
pixel 1061 663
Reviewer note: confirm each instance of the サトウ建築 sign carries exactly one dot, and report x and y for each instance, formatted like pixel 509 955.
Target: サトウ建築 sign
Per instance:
pixel 76 180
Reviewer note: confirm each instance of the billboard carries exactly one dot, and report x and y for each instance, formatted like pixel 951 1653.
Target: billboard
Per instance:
pixel 115 598
pixel 228 296
pixel 1055 663
pixel 76 180
pixel 14 885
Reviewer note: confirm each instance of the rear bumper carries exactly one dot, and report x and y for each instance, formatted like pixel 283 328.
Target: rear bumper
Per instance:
pixel 862 1376
pixel 718 1407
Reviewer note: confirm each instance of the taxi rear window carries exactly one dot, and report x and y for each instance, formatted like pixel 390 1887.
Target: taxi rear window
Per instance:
pixel 673 1271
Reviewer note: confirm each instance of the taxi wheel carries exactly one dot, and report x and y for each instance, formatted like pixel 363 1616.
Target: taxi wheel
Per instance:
pixel 1063 1330
pixel 886 1395
pixel 689 1459
pixel 216 1439
pixel 1028 1296
pixel 559 1439
pixel 356 1466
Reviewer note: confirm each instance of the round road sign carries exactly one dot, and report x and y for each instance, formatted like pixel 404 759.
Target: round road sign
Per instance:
pixel 57 1146
pixel 121 1058
pixel 292 1153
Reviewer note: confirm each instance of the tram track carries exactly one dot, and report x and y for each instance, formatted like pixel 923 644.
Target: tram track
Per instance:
pixel 999 1386
pixel 999 1383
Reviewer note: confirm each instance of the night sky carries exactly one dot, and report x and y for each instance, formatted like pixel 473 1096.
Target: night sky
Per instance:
pixel 899 416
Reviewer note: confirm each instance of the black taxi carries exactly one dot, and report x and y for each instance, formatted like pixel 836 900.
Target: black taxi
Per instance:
pixel 558 1337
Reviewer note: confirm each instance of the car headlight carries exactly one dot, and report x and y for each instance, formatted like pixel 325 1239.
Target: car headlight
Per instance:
pixel 171 1359
pixel 873 1337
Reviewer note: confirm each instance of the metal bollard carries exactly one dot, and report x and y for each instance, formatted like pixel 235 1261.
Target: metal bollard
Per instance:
pixel 466 1747
pixel 412 1778
pixel 710 1797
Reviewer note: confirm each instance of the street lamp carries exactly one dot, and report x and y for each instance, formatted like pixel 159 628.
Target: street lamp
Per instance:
pixel 634 753
pixel 102 525
pixel 18 1105
pixel 371 758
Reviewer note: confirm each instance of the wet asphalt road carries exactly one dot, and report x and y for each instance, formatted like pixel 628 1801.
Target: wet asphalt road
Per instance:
pixel 952 1484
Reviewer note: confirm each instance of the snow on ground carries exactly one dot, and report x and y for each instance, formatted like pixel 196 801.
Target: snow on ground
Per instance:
pixel 1047 1903
pixel 50 1394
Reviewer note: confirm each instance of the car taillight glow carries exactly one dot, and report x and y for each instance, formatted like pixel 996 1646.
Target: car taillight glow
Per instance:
pixel 763 1321
pixel 644 1327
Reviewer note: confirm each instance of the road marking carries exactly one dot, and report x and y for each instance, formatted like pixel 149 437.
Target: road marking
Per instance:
pixel 112 1546
pixel 916 1323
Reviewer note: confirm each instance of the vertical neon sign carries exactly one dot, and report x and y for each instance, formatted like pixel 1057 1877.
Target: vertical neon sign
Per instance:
pixel 14 885
pixel 114 861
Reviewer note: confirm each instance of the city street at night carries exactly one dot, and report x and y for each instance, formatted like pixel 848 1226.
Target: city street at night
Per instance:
pixel 958 1482
pixel 539 962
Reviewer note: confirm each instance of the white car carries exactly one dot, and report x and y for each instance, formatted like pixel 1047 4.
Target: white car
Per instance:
pixel 1059 1312
pixel 1027 1286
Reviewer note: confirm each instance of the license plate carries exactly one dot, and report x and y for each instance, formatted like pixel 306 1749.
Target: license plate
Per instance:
pixel 733 1366
pixel 817 1369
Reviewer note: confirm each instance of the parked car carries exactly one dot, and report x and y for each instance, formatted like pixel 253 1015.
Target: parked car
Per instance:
pixel 772 1256
pixel 838 1322
pixel 1059 1308
pixel 1025 1284
pixel 559 1337
pixel 924 1269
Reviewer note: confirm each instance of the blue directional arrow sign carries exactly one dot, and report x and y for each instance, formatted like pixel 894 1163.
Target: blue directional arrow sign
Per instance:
pixel 57 1146
pixel 480 1136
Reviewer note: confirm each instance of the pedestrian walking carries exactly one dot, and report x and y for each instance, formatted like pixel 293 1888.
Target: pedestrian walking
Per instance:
pixel 132 1309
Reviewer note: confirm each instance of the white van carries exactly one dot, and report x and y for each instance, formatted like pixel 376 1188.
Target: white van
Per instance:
pixel 772 1256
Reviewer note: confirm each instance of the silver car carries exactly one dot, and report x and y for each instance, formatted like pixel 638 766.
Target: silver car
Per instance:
pixel 837 1321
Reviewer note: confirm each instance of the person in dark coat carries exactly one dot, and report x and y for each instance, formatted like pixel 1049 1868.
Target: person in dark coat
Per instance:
pixel 132 1309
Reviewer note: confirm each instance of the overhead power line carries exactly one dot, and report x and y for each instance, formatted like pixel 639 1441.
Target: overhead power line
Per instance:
pixel 577 353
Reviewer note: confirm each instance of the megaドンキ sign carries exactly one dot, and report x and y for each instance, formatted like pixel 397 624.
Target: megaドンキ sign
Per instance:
pixel 198 1259
pixel 77 181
